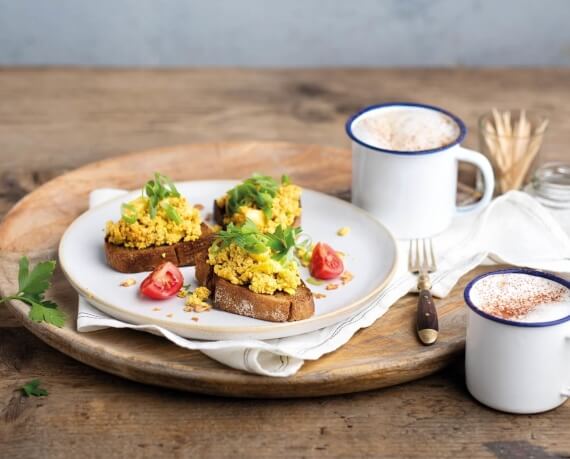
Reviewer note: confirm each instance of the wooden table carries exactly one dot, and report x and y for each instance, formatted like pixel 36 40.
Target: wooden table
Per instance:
pixel 55 120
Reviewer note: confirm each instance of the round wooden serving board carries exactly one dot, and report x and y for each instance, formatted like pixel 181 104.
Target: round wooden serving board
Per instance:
pixel 384 354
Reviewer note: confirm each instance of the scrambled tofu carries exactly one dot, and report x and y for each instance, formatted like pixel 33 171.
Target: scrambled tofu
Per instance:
pixel 196 301
pixel 259 272
pixel 160 230
pixel 285 209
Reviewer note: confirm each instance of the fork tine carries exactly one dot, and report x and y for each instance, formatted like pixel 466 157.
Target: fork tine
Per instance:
pixel 414 255
pixel 421 255
pixel 425 260
pixel 433 265
pixel 418 264
pixel 414 258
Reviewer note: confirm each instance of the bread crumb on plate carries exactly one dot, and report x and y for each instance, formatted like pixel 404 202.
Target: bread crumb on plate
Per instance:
pixel 197 307
pixel 128 283
pixel 346 277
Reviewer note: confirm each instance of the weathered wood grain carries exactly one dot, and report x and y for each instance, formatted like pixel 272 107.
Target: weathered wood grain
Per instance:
pixel 93 414
pixel 64 118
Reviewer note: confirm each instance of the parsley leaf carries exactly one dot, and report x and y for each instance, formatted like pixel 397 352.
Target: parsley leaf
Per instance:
pixel 31 289
pixel 33 388
pixel 46 311
pixel 282 241
pixel 246 236
pixel 34 284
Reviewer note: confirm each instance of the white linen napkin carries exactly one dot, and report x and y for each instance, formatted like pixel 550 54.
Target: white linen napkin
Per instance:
pixel 513 229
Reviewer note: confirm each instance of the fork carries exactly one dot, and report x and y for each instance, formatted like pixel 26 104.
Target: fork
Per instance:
pixel 421 261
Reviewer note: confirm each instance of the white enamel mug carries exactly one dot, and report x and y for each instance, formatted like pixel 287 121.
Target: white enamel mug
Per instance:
pixel 413 193
pixel 517 367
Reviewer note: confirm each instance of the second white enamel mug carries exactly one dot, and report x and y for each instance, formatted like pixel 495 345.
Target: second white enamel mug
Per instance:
pixel 517 367
pixel 413 193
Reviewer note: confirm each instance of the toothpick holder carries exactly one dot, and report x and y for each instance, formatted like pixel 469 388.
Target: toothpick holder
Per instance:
pixel 512 140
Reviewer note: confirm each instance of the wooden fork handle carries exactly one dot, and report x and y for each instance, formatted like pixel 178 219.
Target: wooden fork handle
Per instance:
pixel 427 323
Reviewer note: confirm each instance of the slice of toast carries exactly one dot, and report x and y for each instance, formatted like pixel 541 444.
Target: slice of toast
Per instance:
pixel 132 260
pixel 220 212
pixel 238 299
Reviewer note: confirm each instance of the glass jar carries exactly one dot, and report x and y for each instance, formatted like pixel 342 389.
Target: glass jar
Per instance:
pixel 550 185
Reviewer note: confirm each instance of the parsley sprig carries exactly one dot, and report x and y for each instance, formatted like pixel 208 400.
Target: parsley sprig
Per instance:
pixel 282 241
pixel 33 388
pixel 249 238
pixel 258 190
pixel 31 289
pixel 246 236
pixel 156 190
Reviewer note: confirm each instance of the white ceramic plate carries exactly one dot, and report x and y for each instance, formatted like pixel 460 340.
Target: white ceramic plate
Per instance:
pixel 370 256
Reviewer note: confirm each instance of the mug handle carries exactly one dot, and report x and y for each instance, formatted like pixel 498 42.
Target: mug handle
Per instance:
pixel 470 156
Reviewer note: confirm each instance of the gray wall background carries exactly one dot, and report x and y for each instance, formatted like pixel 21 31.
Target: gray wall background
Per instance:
pixel 285 33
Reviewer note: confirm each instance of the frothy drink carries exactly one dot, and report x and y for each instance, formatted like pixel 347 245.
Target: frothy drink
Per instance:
pixel 406 129
pixel 522 298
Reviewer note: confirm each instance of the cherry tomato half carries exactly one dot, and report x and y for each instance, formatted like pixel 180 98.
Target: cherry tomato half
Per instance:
pixel 325 262
pixel 164 282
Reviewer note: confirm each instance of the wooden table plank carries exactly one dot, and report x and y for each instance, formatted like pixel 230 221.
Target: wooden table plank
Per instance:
pixel 63 118
pixel 57 119
pixel 88 410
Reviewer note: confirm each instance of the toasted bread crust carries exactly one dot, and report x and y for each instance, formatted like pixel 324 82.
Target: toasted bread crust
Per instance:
pixel 238 299
pixel 131 260
pixel 220 212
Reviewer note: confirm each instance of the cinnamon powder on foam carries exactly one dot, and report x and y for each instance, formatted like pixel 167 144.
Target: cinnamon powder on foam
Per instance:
pixel 516 295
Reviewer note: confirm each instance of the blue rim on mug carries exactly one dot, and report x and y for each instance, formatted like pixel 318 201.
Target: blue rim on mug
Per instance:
pixel 353 118
pixel 528 271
